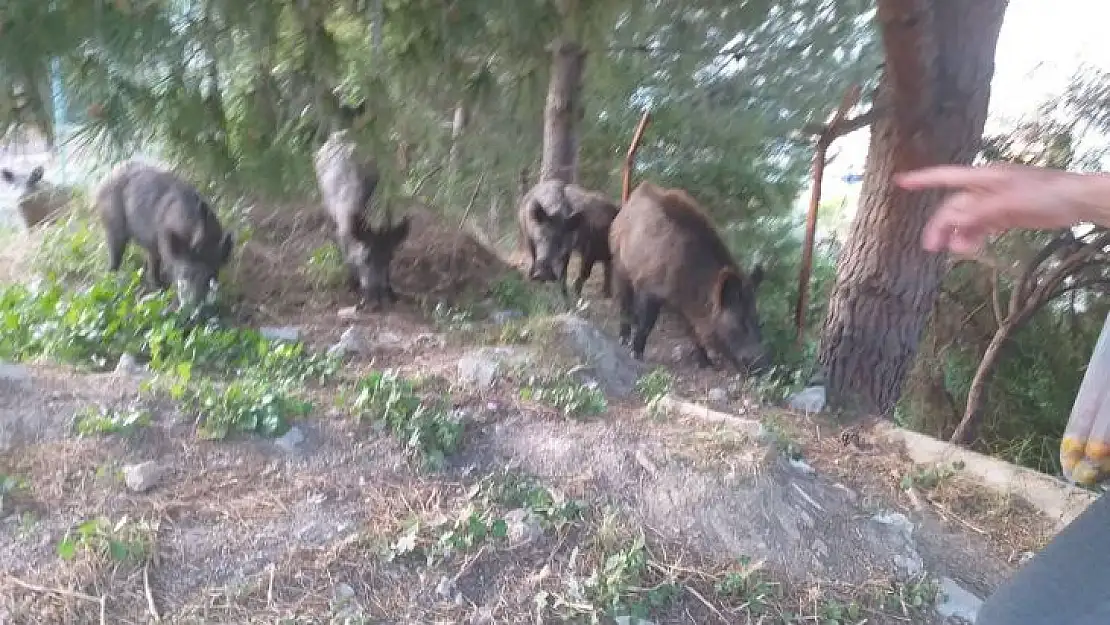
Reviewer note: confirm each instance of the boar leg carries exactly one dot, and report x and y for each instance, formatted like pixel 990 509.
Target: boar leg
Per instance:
pixel 154 269
pixel 607 276
pixel 624 305
pixel 116 235
pixel 647 312
pixel 700 355
pixel 584 272
pixel 563 282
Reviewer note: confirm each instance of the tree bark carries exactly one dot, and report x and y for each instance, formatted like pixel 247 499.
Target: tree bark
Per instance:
pixel 562 112
pixel 935 91
pixel 969 424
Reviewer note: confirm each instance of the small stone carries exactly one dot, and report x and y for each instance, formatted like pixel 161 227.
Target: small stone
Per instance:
pixel 291 439
pixel 632 620
pixel 127 365
pixel 956 602
pixel 718 395
pixel 897 520
pixel 802 466
pixel 14 373
pixel 445 588
pixel 501 316
pixel 142 477
pixel 284 333
pixel 677 353
pixel 809 400
pixel 523 526
pixel 385 339
pixel 482 616
pixel 350 312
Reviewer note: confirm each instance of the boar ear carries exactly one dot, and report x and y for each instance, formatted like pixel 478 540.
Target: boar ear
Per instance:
pixel 538 213
pixel 400 232
pixel 757 276
pixel 574 221
pixel 178 246
pixel 226 245
pixel 36 175
pixel 728 289
pixel 7 175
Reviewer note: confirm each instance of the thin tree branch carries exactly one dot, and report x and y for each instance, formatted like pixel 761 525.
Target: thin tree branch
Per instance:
pixel 844 127
pixel 996 301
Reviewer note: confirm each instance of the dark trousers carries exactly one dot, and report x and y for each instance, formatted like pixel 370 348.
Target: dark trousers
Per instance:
pixel 1067 583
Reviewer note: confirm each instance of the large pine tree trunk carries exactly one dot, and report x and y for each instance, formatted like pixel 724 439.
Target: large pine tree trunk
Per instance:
pixel 935 91
pixel 562 111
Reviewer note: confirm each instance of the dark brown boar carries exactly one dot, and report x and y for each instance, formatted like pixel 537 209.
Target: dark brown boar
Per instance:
pixel 168 218
pixel 667 252
pixel 347 180
pixel 591 239
pixel 548 225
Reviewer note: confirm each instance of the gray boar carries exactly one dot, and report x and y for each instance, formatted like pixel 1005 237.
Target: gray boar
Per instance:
pixel 168 218
pixel 667 252
pixel 548 225
pixel 347 181
pixel 39 202
pixel 591 239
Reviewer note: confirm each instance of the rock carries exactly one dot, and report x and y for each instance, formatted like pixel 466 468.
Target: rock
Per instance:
pixel 501 316
pixel 524 527
pixel 350 312
pixel 344 592
pixel 142 477
pixel 802 466
pixel 352 341
pixel 291 439
pixel 387 339
pixel 482 366
pixel 482 616
pixel 907 559
pixel 428 340
pixel 127 365
pixel 956 602
pixel 611 364
pixel 717 395
pixel 631 620
pixel 896 520
pixel 445 588
pixel 10 372
pixel 812 399
pixel 677 353
pixel 284 333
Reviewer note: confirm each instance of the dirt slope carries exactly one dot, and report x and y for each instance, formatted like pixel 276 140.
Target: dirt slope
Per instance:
pixel 690 521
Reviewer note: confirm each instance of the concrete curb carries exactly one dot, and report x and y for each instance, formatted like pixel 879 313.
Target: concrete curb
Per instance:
pixel 1055 498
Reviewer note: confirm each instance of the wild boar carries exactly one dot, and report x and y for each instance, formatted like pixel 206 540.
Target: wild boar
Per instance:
pixel 667 252
pixel 168 218
pixel 347 181
pixel 548 225
pixel 591 238
pixel 38 201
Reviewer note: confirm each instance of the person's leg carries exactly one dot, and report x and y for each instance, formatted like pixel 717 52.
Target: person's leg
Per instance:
pixel 1067 583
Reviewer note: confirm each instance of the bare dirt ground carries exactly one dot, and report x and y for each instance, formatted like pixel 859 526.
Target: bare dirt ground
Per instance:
pixel 690 521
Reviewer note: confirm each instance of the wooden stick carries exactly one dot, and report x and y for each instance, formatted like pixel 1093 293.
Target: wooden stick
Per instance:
pixel 150 605
pixel 102 600
pixel 630 158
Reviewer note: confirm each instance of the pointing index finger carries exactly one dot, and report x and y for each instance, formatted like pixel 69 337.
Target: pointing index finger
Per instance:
pixel 950 176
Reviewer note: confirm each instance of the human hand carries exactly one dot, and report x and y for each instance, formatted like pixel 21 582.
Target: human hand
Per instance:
pixel 996 198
